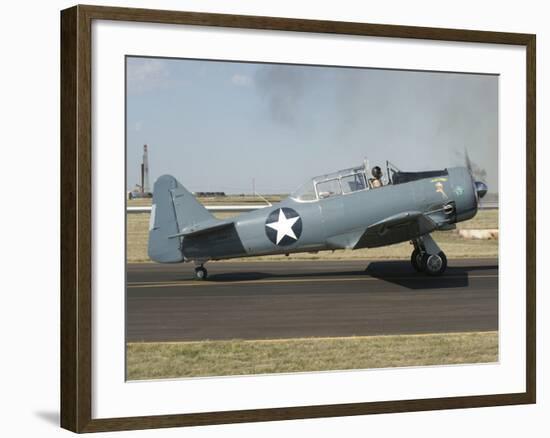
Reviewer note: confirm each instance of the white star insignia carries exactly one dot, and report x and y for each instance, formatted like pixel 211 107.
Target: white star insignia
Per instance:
pixel 283 226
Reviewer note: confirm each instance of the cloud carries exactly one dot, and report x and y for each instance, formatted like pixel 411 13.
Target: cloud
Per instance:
pixel 241 80
pixel 145 74
pixel 283 88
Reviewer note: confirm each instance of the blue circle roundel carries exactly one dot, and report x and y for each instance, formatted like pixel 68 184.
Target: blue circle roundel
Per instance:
pixel 283 226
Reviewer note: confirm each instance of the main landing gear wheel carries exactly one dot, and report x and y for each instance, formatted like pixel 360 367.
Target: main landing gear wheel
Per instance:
pixel 434 264
pixel 416 260
pixel 201 273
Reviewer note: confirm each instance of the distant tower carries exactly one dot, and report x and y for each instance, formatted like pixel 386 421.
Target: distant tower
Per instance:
pixel 145 171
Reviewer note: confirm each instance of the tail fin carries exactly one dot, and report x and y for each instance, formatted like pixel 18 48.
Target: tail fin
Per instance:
pixel 174 209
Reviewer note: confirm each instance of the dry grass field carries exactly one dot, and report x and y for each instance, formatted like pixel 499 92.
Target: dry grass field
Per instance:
pixel 238 357
pixel 453 245
pixel 225 200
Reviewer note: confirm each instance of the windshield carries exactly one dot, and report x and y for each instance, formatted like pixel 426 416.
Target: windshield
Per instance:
pixel 304 193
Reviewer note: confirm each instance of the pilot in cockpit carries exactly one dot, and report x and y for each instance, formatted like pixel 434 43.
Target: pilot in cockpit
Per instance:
pixel 376 181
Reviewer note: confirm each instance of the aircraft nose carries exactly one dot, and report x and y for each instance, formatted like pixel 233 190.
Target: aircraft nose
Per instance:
pixel 481 189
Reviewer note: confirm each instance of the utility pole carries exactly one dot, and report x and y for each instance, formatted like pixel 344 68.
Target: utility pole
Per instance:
pixel 145 172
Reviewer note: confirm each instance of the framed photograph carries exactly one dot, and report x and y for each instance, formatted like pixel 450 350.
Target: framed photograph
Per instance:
pixel 269 218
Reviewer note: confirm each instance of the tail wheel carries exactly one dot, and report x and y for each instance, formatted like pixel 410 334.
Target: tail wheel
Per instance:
pixel 434 264
pixel 201 273
pixel 416 260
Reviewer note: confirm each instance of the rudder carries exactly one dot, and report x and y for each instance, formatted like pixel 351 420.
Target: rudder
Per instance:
pixel 174 209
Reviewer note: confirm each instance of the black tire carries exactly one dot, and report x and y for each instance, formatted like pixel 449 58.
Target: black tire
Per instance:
pixel 201 273
pixel 434 264
pixel 416 260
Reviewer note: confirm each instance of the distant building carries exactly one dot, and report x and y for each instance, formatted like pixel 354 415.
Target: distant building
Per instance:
pixel 209 194
pixel 142 190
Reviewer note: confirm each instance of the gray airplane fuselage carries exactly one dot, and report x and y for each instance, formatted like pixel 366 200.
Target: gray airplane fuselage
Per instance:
pixel 370 217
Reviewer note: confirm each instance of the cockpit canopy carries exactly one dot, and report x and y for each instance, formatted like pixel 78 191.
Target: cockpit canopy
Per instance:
pixel 355 179
pixel 324 186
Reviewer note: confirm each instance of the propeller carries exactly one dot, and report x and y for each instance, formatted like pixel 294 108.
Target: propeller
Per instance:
pixel 468 161
pixel 479 186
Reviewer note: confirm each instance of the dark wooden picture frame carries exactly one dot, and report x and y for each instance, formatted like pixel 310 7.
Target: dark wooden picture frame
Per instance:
pixel 76 218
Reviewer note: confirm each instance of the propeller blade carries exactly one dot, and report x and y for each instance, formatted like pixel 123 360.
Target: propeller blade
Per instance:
pixel 468 162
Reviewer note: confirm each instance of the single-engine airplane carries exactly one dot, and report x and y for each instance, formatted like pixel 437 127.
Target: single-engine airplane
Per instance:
pixel 347 209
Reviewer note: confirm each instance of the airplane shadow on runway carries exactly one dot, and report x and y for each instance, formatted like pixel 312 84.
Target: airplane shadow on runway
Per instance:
pixel 397 272
pixel 403 274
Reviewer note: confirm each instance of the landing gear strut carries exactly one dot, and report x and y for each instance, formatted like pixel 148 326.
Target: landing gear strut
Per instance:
pixel 427 256
pixel 200 273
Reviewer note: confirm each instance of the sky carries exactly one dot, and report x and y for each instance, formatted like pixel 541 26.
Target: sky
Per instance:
pixel 218 125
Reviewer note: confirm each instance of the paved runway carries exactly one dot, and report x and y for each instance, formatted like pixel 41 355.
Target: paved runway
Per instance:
pixel 267 300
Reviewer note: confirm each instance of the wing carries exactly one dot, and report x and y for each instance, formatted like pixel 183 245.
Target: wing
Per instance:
pixel 394 229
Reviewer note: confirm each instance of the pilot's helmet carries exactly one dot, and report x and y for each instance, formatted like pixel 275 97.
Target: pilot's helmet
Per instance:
pixel 377 172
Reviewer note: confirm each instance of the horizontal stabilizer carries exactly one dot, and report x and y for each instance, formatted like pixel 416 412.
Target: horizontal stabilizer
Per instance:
pixel 203 227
